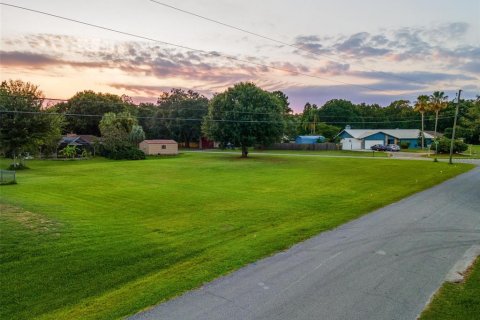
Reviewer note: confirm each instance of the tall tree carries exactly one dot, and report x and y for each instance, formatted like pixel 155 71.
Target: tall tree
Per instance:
pixel 181 113
pixel 145 114
pixel 422 106
pixel 90 107
pixel 309 119
pixel 396 111
pixel 244 115
pixel 136 135
pixel 291 120
pixel 116 129
pixel 284 101
pixel 24 125
pixel 339 112
pixel 438 102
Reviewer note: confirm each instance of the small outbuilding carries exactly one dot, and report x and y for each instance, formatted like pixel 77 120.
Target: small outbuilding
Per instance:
pixel 159 147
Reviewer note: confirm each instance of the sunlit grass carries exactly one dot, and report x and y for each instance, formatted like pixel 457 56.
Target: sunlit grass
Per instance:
pixel 102 239
pixel 457 301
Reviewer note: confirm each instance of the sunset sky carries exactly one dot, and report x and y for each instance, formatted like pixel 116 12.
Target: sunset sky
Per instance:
pixel 369 51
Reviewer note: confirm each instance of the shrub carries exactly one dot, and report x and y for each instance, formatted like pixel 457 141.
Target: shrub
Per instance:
pixel 405 145
pixel 124 153
pixel 17 166
pixel 444 145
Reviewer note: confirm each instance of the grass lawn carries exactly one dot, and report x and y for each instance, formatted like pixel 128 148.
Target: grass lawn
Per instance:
pixel 473 152
pixel 426 150
pixel 457 301
pixel 327 153
pixel 101 239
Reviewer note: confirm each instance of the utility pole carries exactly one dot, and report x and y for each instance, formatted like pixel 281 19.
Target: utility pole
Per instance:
pixel 454 126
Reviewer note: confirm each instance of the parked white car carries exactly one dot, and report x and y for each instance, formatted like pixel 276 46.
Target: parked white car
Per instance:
pixel 393 147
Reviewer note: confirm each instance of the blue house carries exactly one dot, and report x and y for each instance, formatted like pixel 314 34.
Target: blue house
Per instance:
pixel 357 139
pixel 309 139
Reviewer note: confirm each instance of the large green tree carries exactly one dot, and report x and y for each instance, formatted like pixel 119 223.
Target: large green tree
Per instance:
pixel 88 107
pixel 284 101
pixel 339 112
pixel 145 114
pixel 291 120
pixel 468 124
pixel 245 115
pixel 24 124
pixel 180 112
pixel 308 119
pixel 119 130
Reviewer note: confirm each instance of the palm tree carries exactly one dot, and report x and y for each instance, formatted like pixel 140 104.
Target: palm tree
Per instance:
pixel 422 106
pixel 438 102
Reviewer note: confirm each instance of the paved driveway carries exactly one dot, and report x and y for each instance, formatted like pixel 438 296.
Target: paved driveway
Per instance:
pixel 384 265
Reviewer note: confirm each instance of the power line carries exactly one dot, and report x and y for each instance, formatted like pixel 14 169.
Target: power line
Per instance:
pixel 216 54
pixel 183 108
pixel 271 39
pixel 212 120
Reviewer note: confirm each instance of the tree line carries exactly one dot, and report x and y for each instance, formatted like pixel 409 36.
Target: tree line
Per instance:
pixel 242 115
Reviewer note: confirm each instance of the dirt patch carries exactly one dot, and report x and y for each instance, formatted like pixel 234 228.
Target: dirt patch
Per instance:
pixel 29 220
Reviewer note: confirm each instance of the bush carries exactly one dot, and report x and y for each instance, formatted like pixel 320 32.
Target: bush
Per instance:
pixel 17 166
pixel 444 145
pixel 405 145
pixel 124 153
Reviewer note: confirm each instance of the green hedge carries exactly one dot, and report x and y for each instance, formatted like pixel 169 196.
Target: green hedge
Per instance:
pixel 444 145
pixel 124 153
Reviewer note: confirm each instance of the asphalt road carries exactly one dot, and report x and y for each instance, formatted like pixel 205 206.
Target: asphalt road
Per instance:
pixel 384 265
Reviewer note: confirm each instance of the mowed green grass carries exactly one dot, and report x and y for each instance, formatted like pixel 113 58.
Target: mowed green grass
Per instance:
pixel 101 239
pixel 473 152
pixel 326 153
pixel 457 301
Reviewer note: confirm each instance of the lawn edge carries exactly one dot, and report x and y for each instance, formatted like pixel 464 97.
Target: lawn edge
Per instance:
pixel 438 292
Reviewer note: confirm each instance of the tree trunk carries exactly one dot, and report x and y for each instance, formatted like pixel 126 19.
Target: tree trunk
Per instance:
pixel 244 151
pixel 423 137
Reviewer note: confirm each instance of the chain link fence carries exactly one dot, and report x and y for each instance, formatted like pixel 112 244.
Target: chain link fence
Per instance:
pixel 7 177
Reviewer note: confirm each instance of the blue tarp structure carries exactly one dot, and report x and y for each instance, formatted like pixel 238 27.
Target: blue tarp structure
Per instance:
pixel 309 139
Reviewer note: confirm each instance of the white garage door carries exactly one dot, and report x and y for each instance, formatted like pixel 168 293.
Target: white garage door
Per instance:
pixel 369 143
pixel 351 144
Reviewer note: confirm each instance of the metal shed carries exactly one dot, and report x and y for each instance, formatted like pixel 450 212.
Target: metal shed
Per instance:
pixel 159 147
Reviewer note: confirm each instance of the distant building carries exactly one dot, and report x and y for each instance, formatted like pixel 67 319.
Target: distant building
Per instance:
pixel 358 139
pixel 206 143
pixel 159 147
pixel 309 139
pixel 80 141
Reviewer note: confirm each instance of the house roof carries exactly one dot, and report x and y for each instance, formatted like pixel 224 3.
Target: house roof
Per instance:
pixel 85 137
pixel 432 133
pixel 160 141
pixel 73 141
pixel 89 138
pixel 396 133
pixel 358 133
